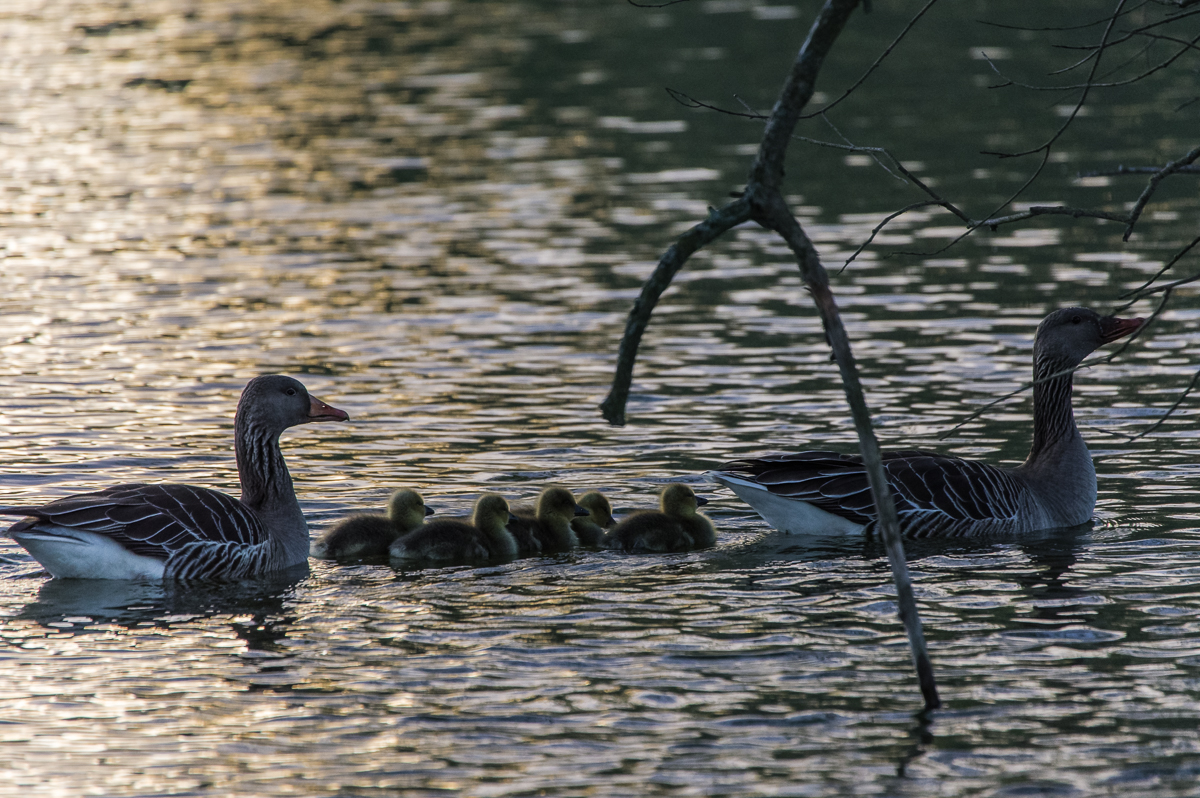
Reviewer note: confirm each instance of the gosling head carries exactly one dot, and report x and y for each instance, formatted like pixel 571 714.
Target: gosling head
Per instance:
pixel 491 512
pixel 407 509
pixel 679 500
pixel 598 508
pixel 558 503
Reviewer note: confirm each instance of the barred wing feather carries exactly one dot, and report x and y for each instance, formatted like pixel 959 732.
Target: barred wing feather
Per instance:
pixel 153 520
pixel 935 494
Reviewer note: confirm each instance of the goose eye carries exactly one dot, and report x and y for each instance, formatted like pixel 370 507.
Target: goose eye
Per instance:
pixel 291 391
pixel 1076 319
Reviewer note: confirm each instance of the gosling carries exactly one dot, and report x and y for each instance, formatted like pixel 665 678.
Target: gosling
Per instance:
pixel 370 534
pixel 676 526
pixel 549 529
pixel 590 529
pixel 454 540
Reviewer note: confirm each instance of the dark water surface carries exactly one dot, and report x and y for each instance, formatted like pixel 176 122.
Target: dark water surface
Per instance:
pixel 437 214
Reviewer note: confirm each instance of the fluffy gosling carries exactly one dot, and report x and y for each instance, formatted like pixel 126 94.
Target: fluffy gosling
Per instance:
pixel 550 526
pixel 370 534
pixel 590 529
pixel 675 526
pixel 486 537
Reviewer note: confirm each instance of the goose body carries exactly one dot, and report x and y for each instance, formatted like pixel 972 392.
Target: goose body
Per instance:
pixel 821 492
pixel 549 527
pixel 370 534
pixel 675 526
pixel 590 528
pixel 173 531
pixel 486 537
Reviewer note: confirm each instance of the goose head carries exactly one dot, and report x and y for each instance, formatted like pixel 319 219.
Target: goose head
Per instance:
pixel 679 500
pixel 558 504
pixel 598 508
pixel 1067 336
pixel 407 509
pixel 275 402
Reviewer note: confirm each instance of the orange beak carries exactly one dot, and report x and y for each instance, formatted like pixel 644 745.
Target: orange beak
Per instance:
pixel 319 411
pixel 1112 328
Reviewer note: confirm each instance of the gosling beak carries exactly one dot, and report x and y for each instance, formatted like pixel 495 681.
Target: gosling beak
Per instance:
pixel 701 501
pixel 428 511
pixel 1112 328
pixel 580 511
pixel 319 411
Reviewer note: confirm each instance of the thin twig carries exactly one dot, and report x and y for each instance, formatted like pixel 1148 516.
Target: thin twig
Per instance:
pixel 880 226
pixel 1139 170
pixel 1157 178
pixel 875 65
pixel 1170 410
pixel 1053 210
pixel 1163 270
pixel 1083 95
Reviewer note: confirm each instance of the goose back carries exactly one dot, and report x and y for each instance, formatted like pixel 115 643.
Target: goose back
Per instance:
pixel 935 495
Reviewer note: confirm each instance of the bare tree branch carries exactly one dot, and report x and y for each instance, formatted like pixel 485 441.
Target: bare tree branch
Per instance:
pixel 1128 219
pixel 875 65
pixel 1064 28
pixel 687 101
pixel 763 202
pixel 1053 210
pixel 1170 410
pixel 718 221
pixel 1139 170
pixel 1168 170
pixel 880 226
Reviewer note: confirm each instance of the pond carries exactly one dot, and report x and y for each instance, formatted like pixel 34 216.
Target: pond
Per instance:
pixel 436 214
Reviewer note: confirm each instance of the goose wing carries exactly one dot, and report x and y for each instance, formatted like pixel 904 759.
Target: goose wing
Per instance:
pixel 934 494
pixel 150 520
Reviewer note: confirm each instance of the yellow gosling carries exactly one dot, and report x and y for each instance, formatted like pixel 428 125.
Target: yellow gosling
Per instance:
pixel 370 534
pixel 486 537
pixel 550 526
pixel 590 529
pixel 676 526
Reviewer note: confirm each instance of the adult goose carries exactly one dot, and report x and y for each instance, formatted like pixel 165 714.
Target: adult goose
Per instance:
pixel 370 534
pixel 675 526
pixel 171 531
pixel 822 492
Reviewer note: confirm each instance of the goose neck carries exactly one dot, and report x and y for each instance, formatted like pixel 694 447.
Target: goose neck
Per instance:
pixel 261 469
pixel 1053 416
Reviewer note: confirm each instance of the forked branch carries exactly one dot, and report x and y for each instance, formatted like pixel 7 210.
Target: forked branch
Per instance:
pixel 763 202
